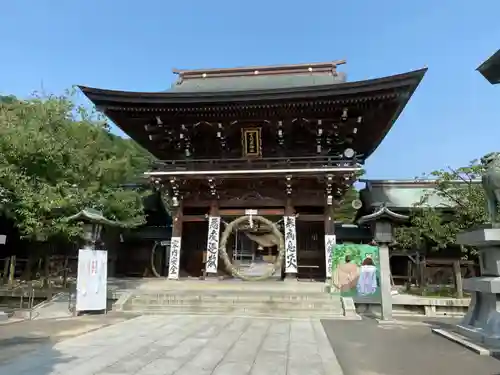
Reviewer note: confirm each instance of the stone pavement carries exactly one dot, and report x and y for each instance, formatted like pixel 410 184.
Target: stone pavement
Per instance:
pixel 181 345
pixel 365 347
pixel 22 338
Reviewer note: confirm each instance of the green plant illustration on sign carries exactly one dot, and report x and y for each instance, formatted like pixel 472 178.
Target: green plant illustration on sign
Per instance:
pixel 355 270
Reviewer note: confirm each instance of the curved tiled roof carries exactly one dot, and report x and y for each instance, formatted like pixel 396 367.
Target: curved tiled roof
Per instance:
pixel 237 92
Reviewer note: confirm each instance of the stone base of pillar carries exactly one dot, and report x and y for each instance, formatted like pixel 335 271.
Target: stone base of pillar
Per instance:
pixel 291 277
pixel 482 322
pixel 211 276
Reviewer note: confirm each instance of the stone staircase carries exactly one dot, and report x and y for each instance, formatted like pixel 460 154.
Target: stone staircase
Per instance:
pixel 239 302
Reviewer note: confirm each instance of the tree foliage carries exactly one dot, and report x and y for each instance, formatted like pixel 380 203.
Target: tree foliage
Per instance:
pixel 56 158
pixel 462 206
pixel 346 213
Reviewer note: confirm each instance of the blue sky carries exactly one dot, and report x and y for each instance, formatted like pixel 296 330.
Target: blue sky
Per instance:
pixel 453 117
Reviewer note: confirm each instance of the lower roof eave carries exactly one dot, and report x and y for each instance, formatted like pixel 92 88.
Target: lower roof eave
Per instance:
pixel 245 172
pixel 107 98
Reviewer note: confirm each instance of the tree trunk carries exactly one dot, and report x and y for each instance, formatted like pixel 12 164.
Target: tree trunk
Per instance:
pixel 46 270
pixel 422 272
pixel 457 273
pixel 5 270
pixel 12 269
pixel 65 272
pixel 26 276
pixel 409 275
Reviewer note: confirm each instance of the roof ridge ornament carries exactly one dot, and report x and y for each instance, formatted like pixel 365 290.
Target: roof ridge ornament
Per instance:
pixel 260 69
pixel 383 212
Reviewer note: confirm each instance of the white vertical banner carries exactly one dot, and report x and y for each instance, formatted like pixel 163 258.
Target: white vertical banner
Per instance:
pixel 330 242
pixel 175 257
pixel 212 260
pixel 91 280
pixel 290 245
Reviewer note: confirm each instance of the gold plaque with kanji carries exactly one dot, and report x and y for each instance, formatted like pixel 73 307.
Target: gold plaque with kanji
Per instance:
pixel 251 142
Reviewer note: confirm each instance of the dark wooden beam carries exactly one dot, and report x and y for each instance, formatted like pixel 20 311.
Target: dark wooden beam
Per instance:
pixel 194 218
pixel 316 201
pixel 263 212
pixel 307 217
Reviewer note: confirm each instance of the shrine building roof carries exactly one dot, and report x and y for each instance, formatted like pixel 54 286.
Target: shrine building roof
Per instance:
pixel 258 77
pixel 490 69
pixel 274 95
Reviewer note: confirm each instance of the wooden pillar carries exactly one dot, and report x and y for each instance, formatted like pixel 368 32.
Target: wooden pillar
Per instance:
pixel 329 219
pixel 330 239
pixel 211 255
pixel 289 209
pixel 291 259
pixel 175 243
pixel 177 221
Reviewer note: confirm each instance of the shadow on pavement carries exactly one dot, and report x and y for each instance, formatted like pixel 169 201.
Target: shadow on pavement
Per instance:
pixel 440 324
pixel 29 355
pixel 6 343
pixel 366 347
pixel 450 327
pixel 32 346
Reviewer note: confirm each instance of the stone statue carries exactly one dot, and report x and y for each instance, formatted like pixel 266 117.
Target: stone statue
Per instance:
pixel 491 184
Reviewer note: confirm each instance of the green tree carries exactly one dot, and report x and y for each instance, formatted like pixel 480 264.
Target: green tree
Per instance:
pixel 463 207
pixel 56 158
pixel 7 98
pixel 346 212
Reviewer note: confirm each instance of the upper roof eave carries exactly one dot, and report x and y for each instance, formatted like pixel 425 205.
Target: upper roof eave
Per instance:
pixel 260 68
pixel 490 69
pixel 115 97
pixel 416 183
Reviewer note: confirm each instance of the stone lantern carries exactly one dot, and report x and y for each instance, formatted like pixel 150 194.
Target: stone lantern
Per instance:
pixel 91 286
pixel 481 324
pixel 382 225
pixel 93 222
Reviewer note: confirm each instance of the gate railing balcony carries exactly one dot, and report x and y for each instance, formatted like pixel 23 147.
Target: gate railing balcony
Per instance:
pixel 302 162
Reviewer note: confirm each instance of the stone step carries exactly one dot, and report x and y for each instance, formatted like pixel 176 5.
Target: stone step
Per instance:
pixel 215 302
pixel 262 305
pixel 236 296
pixel 228 307
pixel 173 301
pixel 272 303
pixel 240 310
pixel 247 313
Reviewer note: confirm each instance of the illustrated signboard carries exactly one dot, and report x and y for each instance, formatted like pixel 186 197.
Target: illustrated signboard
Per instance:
pixel 91 281
pixel 355 270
